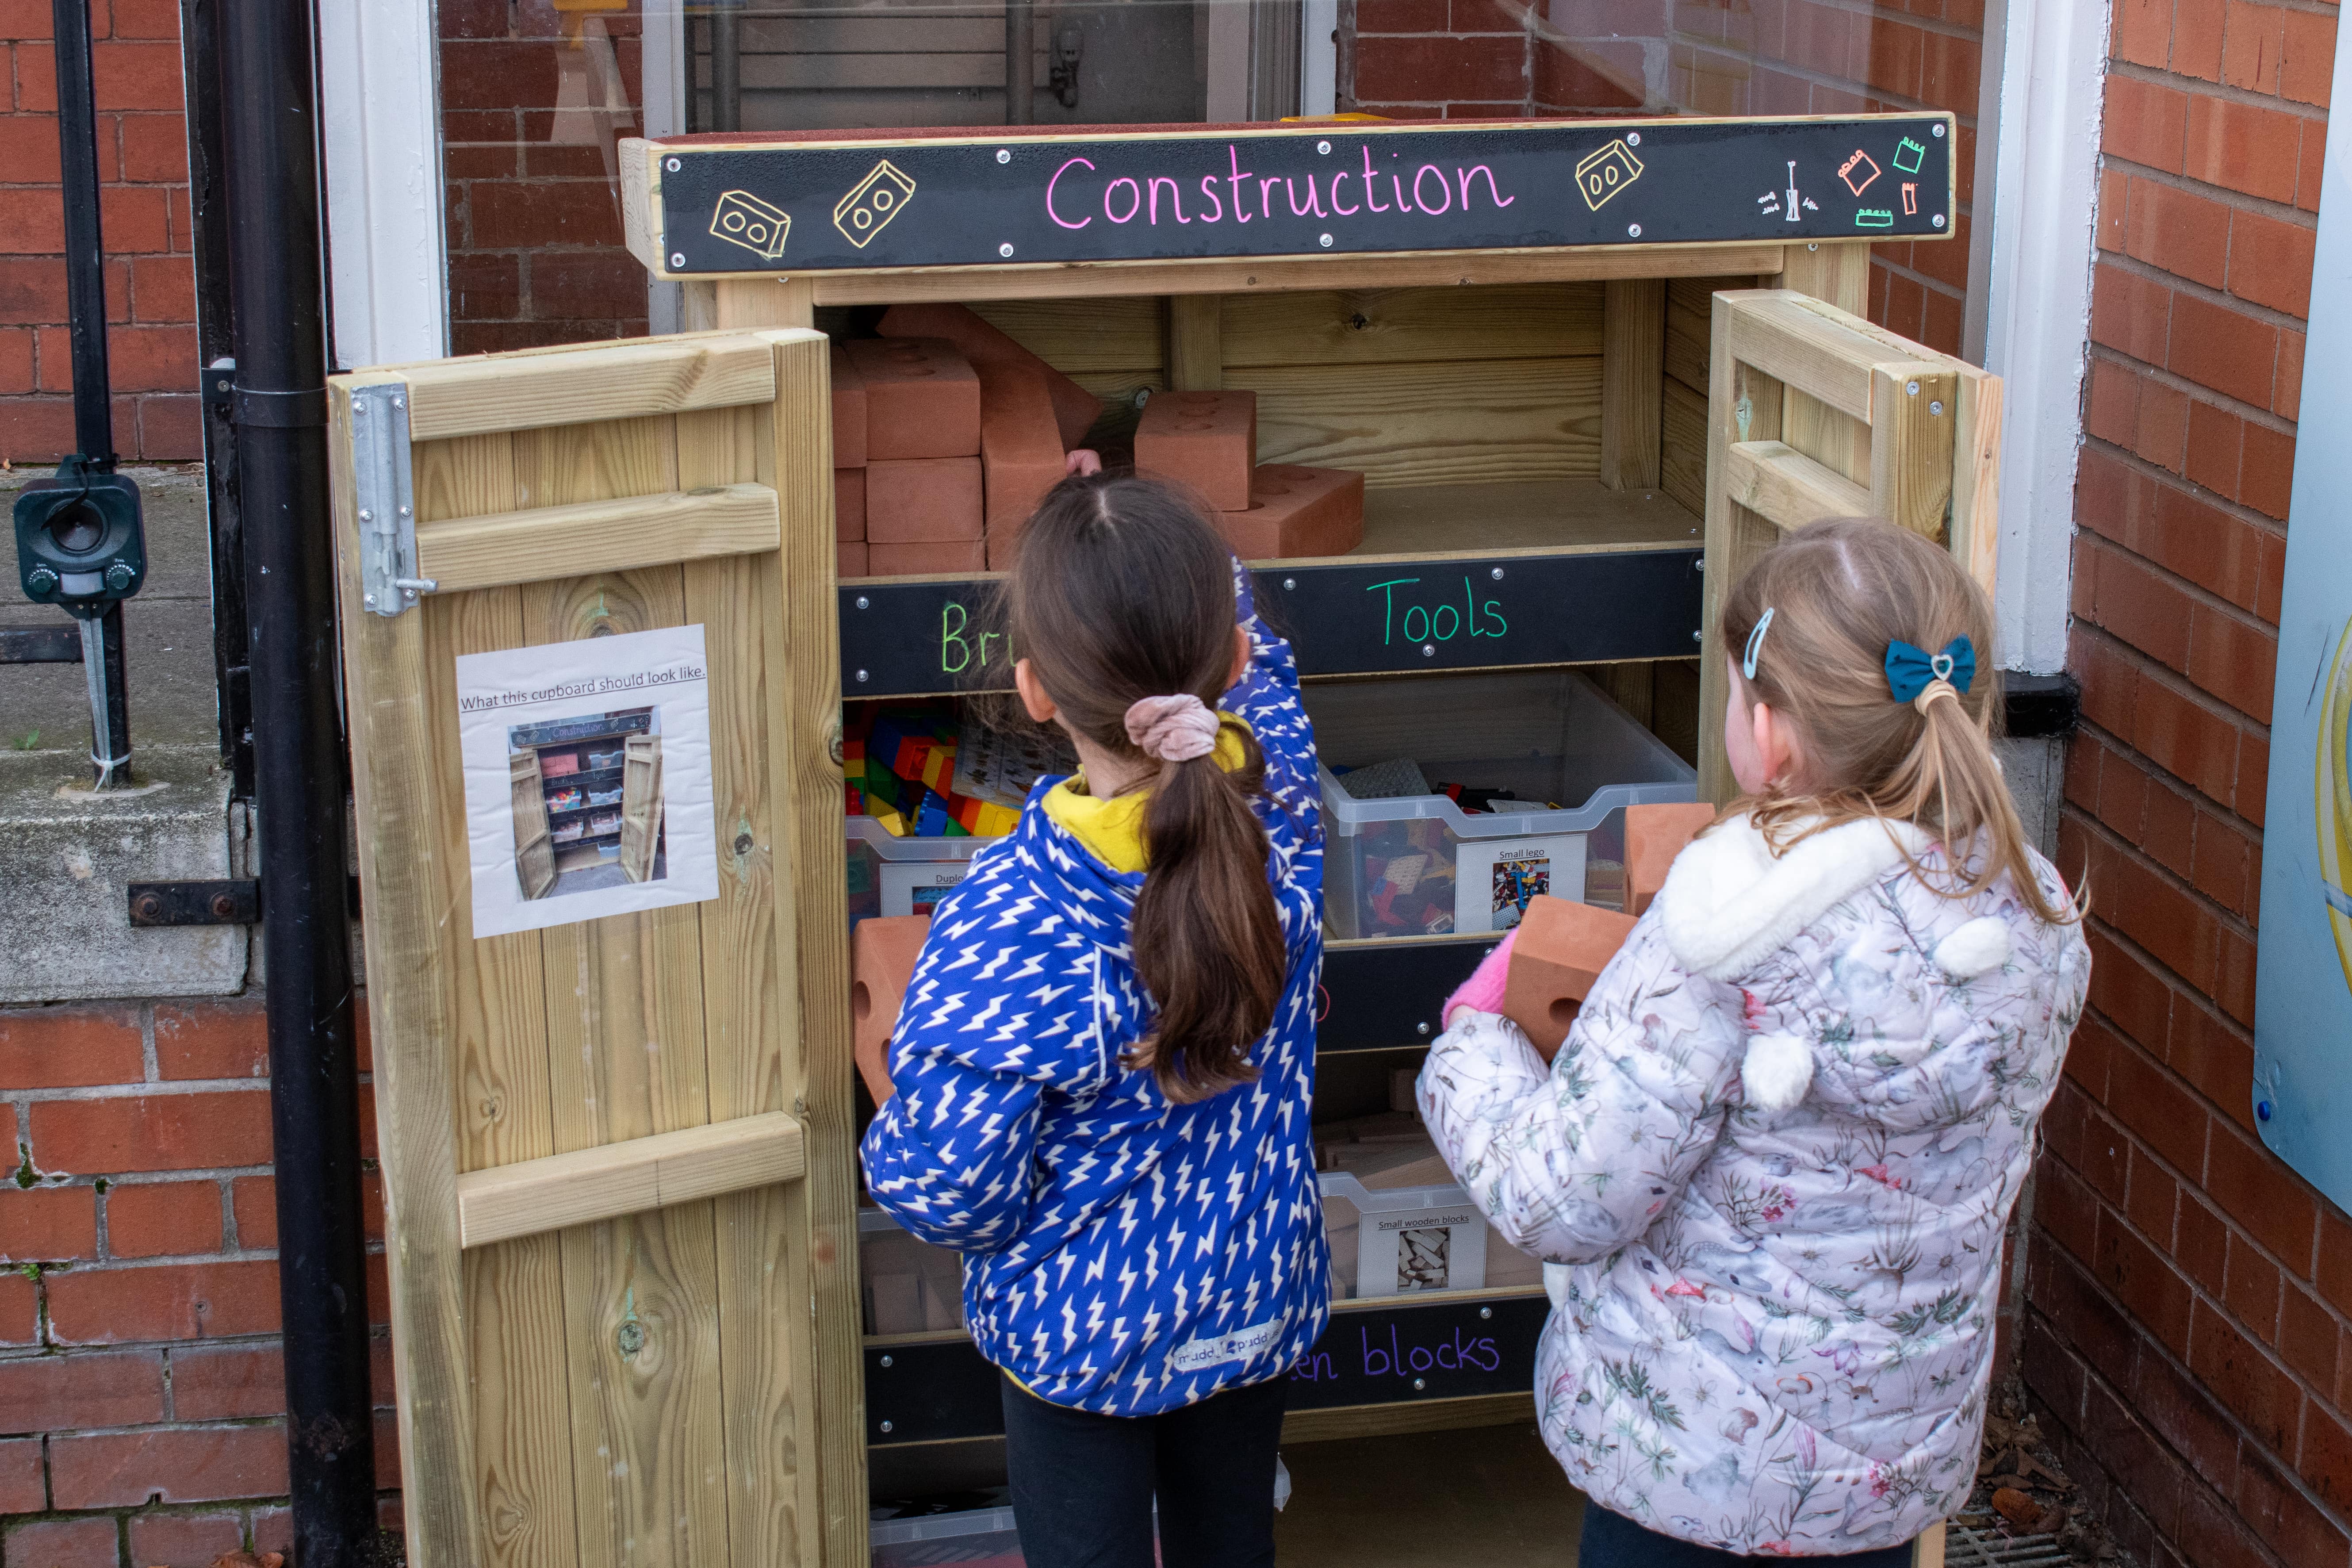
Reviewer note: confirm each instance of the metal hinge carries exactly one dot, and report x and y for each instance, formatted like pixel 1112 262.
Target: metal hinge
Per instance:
pixel 389 583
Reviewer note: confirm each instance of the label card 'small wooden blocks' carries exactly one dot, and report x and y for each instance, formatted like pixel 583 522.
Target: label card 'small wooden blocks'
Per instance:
pixel 947 558
pixel 882 953
pixel 848 504
pixel 1298 511
pixel 922 399
pixel 848 411
pixel 1207 440
pixel 1561 950
pixel 922 501
pixel 1021 455
pixel 1654 835
pixel 1074 408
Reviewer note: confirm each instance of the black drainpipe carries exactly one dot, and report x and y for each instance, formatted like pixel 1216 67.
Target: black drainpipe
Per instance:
pixel 269 103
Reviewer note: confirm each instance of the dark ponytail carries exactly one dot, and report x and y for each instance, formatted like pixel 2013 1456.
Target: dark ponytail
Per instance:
pixel 1123 590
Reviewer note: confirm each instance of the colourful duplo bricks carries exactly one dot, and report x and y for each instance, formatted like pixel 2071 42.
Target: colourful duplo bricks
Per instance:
pixel 848 411
pixel 922 399
pixel 1074 408
pixel 1654 835
pixel 849 505
pixel 1021 455
pixel 1561 950
pixel 1298 511
pixel 923 501
pixel 1205 440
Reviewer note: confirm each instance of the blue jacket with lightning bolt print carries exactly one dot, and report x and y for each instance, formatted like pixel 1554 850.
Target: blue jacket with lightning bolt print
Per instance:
pixel 1123 1255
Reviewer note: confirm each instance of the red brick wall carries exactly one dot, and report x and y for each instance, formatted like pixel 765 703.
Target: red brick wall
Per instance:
pixel 142 1397
pixel 1470 59
pixel 2189 1295
pixel 143 208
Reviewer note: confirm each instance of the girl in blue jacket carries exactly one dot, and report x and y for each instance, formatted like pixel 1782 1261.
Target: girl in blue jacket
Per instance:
pixel 1103 1065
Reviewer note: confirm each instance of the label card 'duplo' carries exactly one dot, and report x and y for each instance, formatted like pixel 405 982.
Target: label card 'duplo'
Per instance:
pixel 1310 190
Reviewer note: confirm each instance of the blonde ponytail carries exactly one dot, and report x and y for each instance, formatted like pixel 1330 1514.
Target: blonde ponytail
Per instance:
pixel 1839 593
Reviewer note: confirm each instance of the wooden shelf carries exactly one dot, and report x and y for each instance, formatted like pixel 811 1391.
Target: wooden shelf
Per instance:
pixel 1435 522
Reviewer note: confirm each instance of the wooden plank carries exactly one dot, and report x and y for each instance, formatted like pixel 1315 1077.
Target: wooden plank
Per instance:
pixel 407 875
pixel 1837 271
pixel 621 535
pixel 1836 440
pixel 1927 1550
pixel 766 1396
pixel 751 303
pixel 1772 331
pixel 1196 356
pixel 1786 488
pixel 1633 372
pixel 1686 340
pixel 1413 1415
pixel 1911 440
pixel 514 1295
pixel 615 1179
pixel 1743 404
pixel 1682 459
pixel 1976 475
pixel 805 773
pixel 490 392
pixel 1549 515
pixel 1109 332
pixel 1388 269
pixel 1431 424
pixel 1393 326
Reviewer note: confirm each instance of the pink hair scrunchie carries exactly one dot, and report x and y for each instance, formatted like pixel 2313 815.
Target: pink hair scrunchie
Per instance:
pixel 1172 729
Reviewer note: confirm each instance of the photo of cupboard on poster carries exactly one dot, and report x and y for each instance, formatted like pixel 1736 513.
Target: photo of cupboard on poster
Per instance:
pixel 587 802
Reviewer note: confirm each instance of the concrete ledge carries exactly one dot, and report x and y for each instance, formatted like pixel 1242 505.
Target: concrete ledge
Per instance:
pixel 67 860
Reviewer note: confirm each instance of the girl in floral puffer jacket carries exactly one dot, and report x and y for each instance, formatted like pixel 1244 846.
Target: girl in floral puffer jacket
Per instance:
pixel 1774 1160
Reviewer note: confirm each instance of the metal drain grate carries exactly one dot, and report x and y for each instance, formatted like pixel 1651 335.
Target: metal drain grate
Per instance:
pixel 1965 1546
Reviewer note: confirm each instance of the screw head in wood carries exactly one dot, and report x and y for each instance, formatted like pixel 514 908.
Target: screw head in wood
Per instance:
pixel 1936 407
pixel 1632 139
pixel 1939 220
pixel 864 603
pixel 1939 129
pixel 678 258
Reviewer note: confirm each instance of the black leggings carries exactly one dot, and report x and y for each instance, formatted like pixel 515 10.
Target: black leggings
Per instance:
pixel 1613 1541
pixel 1083 1484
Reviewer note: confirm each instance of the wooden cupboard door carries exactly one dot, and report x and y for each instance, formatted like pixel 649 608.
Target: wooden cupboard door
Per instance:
pixel 1814 413
pixel 618 1152
pixel 641 806
pixel 534 850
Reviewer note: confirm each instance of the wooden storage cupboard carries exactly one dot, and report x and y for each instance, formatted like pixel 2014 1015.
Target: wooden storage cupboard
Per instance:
pixel 628 1314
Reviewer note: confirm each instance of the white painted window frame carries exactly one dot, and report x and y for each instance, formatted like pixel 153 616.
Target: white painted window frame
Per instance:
pixel 2044 179
pixel 379 83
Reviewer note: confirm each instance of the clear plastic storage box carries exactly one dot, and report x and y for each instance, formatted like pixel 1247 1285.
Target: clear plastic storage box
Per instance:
pixel 1405 1241
pixel 1419 865
pixel 892 876
pixel 910 1287
pixel 976 1538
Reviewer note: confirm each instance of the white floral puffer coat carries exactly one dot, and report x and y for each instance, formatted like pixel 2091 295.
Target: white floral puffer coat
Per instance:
pixel 1777 1154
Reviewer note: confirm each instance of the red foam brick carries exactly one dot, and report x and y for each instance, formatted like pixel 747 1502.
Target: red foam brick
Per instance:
pixel 922 399
pixel 851 560
pixel 1207 440
pixel 954 558
pixel 849 505
pixel 1654 835
pixel 848 411
pixel 1561 950
pixel 923 501
pixel 1298 511
pixel 1021 455
pixel 882 954
pixel 1074 408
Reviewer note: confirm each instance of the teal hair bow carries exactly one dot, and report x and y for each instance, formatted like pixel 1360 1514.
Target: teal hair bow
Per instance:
pixel 1909 669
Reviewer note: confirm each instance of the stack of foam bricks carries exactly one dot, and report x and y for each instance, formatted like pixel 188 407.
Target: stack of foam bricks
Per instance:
pixel 1208 441
pixel 946 434
pixel 900 758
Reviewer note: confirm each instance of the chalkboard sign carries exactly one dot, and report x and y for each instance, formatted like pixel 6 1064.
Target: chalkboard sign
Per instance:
pixel 1022 197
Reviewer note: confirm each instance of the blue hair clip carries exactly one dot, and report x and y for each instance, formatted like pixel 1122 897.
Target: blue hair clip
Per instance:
pixel 1910 670
pixel 1754 642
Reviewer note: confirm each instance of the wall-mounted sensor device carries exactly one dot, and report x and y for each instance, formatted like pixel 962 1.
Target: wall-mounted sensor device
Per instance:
pixel 80 544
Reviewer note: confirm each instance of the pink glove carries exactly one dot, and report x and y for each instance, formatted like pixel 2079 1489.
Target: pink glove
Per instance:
pixel 1483 992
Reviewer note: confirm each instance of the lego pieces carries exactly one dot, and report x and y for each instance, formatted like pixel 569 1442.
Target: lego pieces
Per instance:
pixel 848 505
pixel 923 501
pixel 1021 452
pixel 1654 835
pixel 883 951
pixel 848 411
pixel 1074 408
pixel 1561 950
pixel 922 399
pixel 1206 440
pixel 1298 511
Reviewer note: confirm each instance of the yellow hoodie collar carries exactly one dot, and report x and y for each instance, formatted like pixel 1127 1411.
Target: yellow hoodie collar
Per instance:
pixel 1112 830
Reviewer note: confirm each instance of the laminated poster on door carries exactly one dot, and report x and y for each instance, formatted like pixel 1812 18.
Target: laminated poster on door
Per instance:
pixel 588 783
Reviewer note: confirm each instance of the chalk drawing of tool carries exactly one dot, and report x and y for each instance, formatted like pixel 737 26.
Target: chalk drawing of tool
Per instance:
pixel 872 203
pixel 1604 173
pixel 1792 190
pixel 742 219
pixel 1908 156
pixel 1858 172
